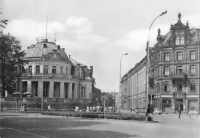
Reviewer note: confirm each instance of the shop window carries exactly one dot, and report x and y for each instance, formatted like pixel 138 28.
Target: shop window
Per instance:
pixel 179 56
pixel 192 69
pixel 54 69
pixel 37 69
pixel 192 55
pixel 46 69
pixel 192 87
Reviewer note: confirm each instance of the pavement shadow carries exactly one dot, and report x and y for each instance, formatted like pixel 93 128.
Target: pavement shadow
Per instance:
pixel 56 128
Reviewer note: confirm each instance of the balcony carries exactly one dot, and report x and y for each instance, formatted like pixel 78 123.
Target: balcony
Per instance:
pixel 50 75
pixel 178 75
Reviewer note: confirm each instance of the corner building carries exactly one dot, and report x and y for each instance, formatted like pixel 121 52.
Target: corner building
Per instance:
pixel 51 74
pixel 174 69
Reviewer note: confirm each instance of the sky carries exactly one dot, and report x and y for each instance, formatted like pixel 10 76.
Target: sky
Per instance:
pixel 97 32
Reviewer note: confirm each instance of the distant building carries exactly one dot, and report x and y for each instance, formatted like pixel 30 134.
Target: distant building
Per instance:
pixel 133 87
pixel 96 97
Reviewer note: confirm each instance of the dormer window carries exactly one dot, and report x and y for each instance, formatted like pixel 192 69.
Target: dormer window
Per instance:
pixel 177 41
pixel 182 40
pixel 54 56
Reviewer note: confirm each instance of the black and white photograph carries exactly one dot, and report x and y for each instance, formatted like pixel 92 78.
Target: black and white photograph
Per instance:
pixel 99 69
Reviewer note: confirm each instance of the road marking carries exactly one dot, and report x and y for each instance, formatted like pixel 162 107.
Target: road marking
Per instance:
pixel 23 132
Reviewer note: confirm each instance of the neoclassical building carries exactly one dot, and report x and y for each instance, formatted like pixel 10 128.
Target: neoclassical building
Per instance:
pixel 53 75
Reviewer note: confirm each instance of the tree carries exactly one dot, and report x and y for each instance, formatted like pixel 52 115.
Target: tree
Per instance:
pixel 10 56
pixel 110 100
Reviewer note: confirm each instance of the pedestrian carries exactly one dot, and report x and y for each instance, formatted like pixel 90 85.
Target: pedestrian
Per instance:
pixel 179 112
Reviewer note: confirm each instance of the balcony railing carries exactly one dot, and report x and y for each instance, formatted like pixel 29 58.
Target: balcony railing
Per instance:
pixel 52 76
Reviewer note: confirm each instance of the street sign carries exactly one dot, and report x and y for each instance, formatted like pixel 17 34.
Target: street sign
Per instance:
pixel 104 98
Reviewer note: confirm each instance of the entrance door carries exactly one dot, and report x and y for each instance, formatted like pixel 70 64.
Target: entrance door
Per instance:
pixel 179 104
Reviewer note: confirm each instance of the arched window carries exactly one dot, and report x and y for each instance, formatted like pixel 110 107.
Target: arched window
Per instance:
pixel 66 70
pixel 46 69
pixel 182 40
pixel 83 88
pixel 54 69
pixel 61 70
pixel 37 69
pixel 30 69
pixel 166 88
pixel 177 41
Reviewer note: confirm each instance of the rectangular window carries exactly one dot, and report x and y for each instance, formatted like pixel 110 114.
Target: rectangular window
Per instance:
pixel 192 69
pixel 166 56
pixel 61 70
pixel 54 70
pixel 54 90
pixel 192 54
pixel 192 87
pixel 166 71
pixel 179 70
pixel 179 56
pixel 66 89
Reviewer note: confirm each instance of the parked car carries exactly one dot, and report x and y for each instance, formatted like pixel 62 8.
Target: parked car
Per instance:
pixel 157 111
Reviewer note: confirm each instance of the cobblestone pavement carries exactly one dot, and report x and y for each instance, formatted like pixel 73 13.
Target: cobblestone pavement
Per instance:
pixel 39 126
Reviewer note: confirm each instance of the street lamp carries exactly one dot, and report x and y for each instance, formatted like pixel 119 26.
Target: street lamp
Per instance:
pixel 114 93
pixel 148 44
pixel 120 75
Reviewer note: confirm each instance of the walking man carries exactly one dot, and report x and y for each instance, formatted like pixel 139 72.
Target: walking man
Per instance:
pixel 179 113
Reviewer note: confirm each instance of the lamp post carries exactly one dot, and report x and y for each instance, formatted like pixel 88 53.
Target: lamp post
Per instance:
pixel 114 93
pixel 120 76
pixel 148 44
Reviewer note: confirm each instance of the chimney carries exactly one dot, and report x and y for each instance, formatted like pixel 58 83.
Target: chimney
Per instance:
pixel 91 68
pixel 58 46
pixel 69 56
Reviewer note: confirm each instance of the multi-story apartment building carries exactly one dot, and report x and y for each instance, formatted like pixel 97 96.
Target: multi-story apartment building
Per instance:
pixel 133 86
pixel 174 69
pixel 174 73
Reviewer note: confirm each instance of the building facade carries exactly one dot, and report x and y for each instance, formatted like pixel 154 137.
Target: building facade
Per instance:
pixel 52 75
pixel 174 69
pixel 133 86
pixel 174 72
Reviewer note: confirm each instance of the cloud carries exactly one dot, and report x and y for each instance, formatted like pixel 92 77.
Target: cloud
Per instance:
pixel 193 20
pixel 136 40
pixel 79 25
pixel 29 30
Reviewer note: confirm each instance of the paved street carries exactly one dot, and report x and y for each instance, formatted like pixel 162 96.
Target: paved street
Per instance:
pixel 39 126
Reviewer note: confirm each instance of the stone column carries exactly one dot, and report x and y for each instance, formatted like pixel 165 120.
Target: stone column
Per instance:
pixel 40 88
pixel 70 90
pixel 29 86
pixel 75 91
pixel 49 69
pixel 62 90
pixel 160 100
pixel 173 105
pixel 184 105
pixel 33 69
pixel 51 89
